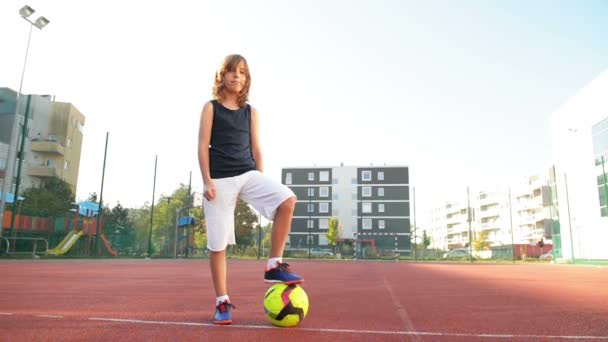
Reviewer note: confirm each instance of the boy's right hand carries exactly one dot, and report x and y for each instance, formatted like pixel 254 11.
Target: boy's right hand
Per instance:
pixel 209 191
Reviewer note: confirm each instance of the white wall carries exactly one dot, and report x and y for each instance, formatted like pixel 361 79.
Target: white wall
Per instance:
pixel 573 156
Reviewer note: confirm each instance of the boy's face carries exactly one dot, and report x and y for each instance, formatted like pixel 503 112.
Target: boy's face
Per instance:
pixel 234 80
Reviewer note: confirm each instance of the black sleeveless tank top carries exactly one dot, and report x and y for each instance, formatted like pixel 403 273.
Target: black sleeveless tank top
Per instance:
pixel 230 148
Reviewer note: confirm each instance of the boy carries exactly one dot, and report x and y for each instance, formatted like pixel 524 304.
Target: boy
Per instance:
pixel 230 159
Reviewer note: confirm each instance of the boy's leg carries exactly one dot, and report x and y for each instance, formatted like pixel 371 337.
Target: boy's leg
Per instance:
pixel 219 214
pixel 276 202
pixel 222 314
pixel 281 227
pixel 217 261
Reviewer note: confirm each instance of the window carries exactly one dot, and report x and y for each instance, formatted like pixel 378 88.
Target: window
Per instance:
pixel 334 181
pixel 310 224
pixel 311 207
pixel 2 164
pixel 380 192
pixel 366 207
pixel 324 191
pixel 353 196
pixel 366 176
pixel 324 176
pixel 311 192
pixel 367 191
pixel 380 224
pixel 288 178
pixel 380 175
pixel 323 240
pixel 69 143
pixel 367 223
pixel 66 165
pixel 324 207
pixel 380 207
pixel 353 181
pixel 311 176
pixel 323 223
pixel 50 163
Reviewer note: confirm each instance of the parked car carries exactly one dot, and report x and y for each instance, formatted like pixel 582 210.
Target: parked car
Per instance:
pixel 457 253
pixel 546 256
pixel 323 252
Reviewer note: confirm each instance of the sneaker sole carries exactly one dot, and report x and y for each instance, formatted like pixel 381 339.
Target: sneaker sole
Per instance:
pixel 223 322
pixel 284 282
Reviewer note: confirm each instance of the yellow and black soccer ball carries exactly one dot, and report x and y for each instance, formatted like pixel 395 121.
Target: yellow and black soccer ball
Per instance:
pixel 285 305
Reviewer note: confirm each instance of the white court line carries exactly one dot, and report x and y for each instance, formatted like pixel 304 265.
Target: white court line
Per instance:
pixel 6 313
pixel 354 331
pixel 49 316
pixel 405 318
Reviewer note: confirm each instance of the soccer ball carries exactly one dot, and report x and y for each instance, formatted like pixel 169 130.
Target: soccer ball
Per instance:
pixel 285 305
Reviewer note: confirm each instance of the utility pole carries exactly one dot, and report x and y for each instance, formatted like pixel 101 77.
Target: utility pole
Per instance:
pixel 152 211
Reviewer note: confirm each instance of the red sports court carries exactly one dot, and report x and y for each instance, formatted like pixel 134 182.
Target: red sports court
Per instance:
pixel 160 300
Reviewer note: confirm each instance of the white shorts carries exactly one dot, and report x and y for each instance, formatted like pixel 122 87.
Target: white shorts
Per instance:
pixel 261 192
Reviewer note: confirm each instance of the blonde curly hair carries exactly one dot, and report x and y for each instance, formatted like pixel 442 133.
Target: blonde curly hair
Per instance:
pixel 230 64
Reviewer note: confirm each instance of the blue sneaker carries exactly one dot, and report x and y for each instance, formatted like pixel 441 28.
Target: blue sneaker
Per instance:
pixel 222 313
pixel 282 274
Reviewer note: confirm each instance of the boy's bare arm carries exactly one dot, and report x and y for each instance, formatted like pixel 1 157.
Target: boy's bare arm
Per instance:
pixel 256 149
pixel 204 139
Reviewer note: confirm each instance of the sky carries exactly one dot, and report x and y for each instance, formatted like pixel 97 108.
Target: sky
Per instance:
pixel 460 91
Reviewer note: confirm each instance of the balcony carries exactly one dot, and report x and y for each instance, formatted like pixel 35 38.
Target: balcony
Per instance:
pixel 492 212
pixel 454 219
pixel 42 171
pixel 48 146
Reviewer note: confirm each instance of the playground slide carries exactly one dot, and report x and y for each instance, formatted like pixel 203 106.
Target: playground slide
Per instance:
pixel 112 252
pixel 63 242
pixel 66 244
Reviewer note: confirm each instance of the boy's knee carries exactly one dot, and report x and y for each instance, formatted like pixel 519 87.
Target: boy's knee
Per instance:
pixel 289 204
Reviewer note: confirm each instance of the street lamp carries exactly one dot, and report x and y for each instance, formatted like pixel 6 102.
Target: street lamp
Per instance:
pixel 41 22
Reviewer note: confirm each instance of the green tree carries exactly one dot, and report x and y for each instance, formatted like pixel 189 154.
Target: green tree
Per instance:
pixel 141 225
pixel 52 198
pixel 166 211
pixel 426 240
pixel 481 241
pixel 245 220
pixel 413 237
pixel 333 232
pixel 267 230
pixel 119 228
pixel 92 197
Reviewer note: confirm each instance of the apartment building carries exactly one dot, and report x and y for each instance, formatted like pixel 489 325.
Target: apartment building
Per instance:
pixel 371 203
pixel 523 213
pixel 54 138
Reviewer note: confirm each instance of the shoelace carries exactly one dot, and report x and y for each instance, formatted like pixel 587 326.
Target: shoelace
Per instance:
pixel 223 306
pixel 283 266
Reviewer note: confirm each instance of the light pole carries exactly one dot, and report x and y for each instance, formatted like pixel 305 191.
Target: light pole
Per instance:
pixel 309 223
pixel 152 210
pixel 168 231
pixel 177 211
pixel 40 23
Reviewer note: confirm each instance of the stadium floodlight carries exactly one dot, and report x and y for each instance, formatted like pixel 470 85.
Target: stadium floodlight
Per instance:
pixel 26 11
pixel 41 22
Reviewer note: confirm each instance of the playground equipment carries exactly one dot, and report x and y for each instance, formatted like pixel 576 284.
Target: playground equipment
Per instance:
pixel 67 243
pixel 109 248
